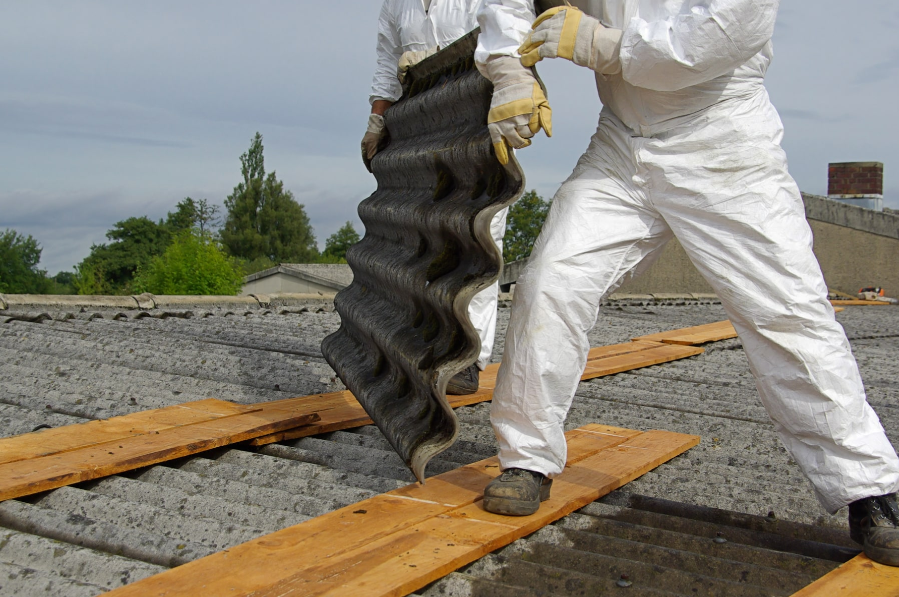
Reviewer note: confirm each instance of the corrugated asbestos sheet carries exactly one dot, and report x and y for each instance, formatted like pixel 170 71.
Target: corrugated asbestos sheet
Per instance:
pixel 660 530
pixel 427 250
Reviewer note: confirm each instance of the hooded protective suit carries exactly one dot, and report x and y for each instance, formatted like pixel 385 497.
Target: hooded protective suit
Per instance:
pixel 688 146
pixel 406 26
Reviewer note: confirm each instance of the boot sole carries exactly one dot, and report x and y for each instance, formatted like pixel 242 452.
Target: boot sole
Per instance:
pixel 510 507
pixel 882 555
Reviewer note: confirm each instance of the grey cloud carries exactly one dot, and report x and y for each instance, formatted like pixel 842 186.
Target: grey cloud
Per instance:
pixel 82 119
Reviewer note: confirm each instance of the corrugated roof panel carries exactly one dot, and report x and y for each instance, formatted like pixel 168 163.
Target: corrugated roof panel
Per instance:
pixel 427 250
pixel 113 531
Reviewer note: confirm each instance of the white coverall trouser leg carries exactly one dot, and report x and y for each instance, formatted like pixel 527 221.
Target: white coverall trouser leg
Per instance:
pixel 720 185
pixel 482 308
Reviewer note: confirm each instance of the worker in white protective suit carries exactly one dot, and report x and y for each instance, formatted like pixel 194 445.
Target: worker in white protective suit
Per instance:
pixel 408 32
pixel 687 147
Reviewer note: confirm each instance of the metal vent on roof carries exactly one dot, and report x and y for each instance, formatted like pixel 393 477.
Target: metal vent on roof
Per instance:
pixel 427 250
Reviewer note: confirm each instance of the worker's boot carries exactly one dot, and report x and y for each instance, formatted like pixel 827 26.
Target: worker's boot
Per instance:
pixel 464 382
pixel 516 492
pixel 874 523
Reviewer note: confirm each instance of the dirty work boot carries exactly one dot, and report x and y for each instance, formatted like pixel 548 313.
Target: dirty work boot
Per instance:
pixel 516 492
pixel 464 382
pixel 874 523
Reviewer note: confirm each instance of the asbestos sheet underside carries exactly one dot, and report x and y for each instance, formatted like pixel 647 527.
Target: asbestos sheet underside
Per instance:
pixel 427 251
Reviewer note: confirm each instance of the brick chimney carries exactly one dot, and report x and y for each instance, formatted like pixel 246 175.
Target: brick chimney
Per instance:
pixel 856 183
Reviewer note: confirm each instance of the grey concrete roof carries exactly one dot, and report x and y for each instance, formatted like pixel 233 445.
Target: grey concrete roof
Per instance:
pixel 68 365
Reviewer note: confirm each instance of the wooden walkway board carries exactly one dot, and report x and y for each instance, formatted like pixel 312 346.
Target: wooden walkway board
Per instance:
pixel 858 303
pixel 73 437
pixel 104 457
pixel 649 353
pixel 398 542
pixel 700 334
pixel 859 577
pixel 48 459
pixel 605 360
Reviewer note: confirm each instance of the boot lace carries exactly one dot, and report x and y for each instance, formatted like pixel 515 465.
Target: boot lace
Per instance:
pixel 885 509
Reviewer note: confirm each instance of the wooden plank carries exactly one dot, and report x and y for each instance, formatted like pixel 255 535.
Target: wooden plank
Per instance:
pixel 26 477
pixel 859 577
pixel 72 437
pixel 613 350
pixel 662 353
pixel 700 334
pixel 404 562
pixel 604 360
pixel 858 303
pixel 101 448
pixel 400 541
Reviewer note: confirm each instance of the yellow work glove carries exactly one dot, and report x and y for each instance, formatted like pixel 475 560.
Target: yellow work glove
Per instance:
pixel 410 59
pixel 374 133
pixel 519 107
pixel 566 32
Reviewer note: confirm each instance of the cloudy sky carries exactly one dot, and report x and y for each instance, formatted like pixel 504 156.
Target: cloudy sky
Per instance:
pixel 111 109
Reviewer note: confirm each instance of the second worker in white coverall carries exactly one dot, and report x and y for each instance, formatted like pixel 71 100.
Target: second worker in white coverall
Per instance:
pixel 687 147
pixel 408 31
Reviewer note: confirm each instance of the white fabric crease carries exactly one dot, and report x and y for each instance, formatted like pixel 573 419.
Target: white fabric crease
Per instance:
pixel 687 147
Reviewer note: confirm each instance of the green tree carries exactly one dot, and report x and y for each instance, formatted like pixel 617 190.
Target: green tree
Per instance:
pixel 263 219
pixel 183 218
pixel 19 256
pixel 62 283
pixel 257 265
pixel 192 264
pixel 134 242
pixel 338 243
pixel 523 225
pixel 89 279
pixel 189 214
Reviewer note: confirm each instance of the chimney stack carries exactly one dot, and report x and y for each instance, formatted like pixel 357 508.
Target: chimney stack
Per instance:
pixel 856 183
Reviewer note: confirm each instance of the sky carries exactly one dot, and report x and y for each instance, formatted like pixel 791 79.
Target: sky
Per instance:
pixel 111 109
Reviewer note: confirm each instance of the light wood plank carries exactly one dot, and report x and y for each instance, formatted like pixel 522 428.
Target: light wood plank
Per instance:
pixel 72 437
pixel 662 353
pixel 26 477
pixel 397 542
pixel 604 360
pixel 404 562
pixel 859 577
pixel 859 303
pixel 700 334
pixel 96 441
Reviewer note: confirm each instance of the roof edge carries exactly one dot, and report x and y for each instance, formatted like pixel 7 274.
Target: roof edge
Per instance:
pixel 149 301
pixel 834 212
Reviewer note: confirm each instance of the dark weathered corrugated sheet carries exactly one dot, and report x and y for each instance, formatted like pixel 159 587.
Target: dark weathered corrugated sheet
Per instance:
pixel 427 250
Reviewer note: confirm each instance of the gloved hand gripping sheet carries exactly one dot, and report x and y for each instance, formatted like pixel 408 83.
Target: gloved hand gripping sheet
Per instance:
pixel 426 252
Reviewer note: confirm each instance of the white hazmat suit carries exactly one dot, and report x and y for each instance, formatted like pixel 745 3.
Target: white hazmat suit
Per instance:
pixel 417 26
pixel 687 146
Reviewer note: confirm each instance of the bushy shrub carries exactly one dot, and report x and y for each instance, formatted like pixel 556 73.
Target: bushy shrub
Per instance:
pixel 193 264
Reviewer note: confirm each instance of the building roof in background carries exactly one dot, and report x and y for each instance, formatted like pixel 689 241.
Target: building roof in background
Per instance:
pixel 336 276
pixel 65 365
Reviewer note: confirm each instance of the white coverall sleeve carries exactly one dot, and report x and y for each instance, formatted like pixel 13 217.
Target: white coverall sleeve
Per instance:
pixel 385 85
pixel 504 26
pixel 708 38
